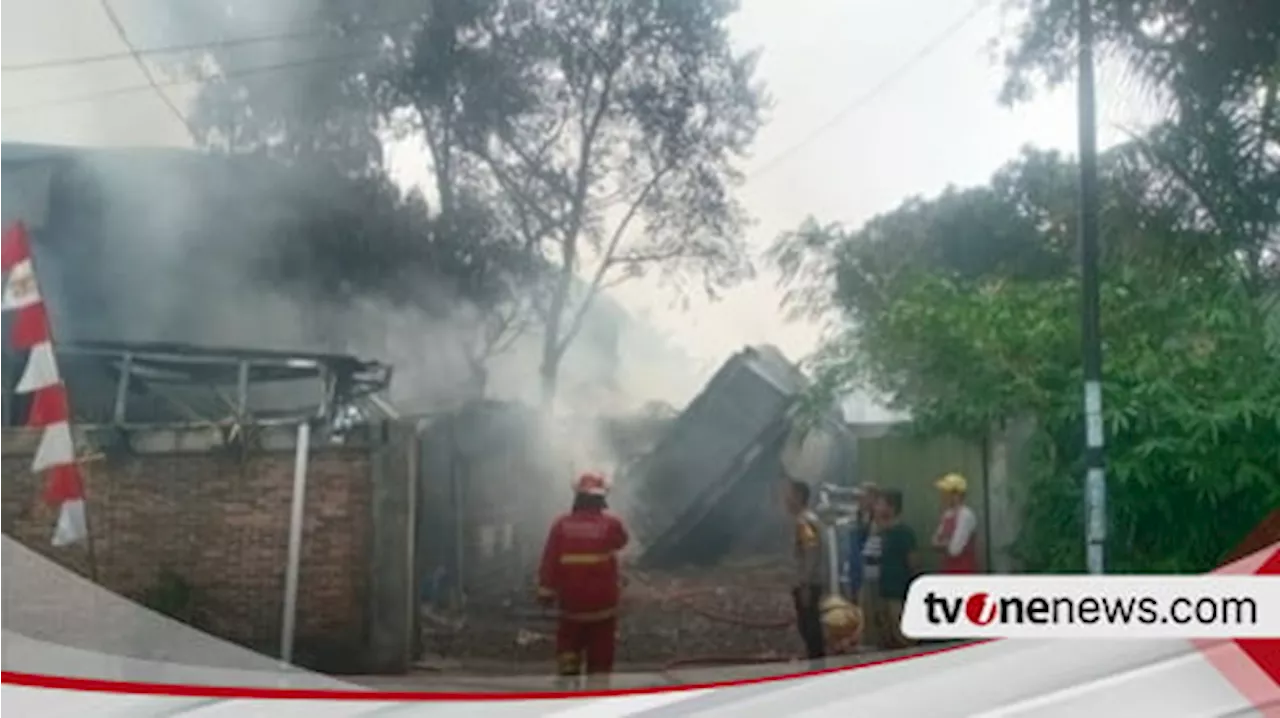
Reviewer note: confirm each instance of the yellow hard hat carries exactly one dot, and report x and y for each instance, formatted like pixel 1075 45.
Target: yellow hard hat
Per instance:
pixel 952 483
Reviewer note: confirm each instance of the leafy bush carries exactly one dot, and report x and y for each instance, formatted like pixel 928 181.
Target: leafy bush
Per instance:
pixel 1191 402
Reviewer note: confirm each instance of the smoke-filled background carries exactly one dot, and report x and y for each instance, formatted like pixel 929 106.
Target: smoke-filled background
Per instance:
pixel 193 251
pixel 190 249
pixel 282 248
pixel 818 58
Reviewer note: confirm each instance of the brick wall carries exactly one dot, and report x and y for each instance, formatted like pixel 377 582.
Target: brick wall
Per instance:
pixel 220 521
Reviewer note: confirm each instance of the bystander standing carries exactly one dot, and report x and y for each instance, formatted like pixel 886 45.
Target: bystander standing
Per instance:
pixel 956 535
pixel 890 564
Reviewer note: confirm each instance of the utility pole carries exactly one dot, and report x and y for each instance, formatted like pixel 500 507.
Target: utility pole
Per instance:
pixel 1095 482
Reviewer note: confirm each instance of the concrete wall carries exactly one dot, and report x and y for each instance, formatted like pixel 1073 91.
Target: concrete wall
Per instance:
pixel 993 468
pixel 912 466
pixel 182 502
pixel 1007 456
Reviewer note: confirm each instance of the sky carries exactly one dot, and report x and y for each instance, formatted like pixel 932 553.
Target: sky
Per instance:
pixel 828 150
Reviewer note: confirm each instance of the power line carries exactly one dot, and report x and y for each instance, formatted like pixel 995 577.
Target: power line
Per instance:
pixel 135 89
pixel 190 47
pixel 884 84
pixel 154 86
pixel 887 82
pixel 146 71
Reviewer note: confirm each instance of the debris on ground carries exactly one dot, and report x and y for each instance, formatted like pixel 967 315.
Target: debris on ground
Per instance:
pixel 733 612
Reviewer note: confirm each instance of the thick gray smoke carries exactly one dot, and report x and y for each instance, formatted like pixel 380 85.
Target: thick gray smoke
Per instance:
pixel 181 242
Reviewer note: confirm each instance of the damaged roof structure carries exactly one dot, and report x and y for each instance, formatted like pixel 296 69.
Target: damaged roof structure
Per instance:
pixel 145 301
pixel 709 487
pixel 123 383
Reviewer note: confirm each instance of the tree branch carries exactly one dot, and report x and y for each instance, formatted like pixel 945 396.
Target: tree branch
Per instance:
pixel 517 193
pixel 556 344
pixel 607 260
pixel 1184 176
pixel 536 163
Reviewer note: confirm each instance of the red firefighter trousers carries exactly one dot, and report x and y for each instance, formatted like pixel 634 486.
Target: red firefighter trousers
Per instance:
pixel 585 644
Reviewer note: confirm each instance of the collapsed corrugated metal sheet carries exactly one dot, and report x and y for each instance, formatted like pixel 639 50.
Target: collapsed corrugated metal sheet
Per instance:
pixel 710 486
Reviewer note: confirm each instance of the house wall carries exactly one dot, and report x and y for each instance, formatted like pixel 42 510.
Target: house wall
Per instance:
pixel 995 469
pixel 912 465
pixel 182 502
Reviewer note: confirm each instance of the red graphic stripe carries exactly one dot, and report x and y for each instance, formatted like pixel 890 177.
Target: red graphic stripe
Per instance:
pixel 195 691
pixel 1252 666
pixel 1262 536
pixel 198 691
pixel 1266 651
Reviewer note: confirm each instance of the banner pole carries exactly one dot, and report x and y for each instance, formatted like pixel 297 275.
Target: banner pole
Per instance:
pixel 296 516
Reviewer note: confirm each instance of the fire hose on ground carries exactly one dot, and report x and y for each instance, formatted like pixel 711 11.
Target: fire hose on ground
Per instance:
pixel 686 597
pixel 836 506
pixel 839 616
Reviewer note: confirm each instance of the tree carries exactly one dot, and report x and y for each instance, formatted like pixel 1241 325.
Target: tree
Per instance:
pixel 1198 52
pixel 602 136
pixel 325 90
pixel 1215 67
pixel 626 160
pixel 967 340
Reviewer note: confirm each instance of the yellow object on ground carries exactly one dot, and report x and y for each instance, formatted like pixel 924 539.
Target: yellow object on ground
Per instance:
pixel 841 622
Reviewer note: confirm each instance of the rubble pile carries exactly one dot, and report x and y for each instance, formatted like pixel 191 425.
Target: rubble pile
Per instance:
pixel 710 615
pixel 718 614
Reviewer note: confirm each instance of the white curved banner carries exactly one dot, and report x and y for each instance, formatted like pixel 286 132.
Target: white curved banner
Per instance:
pixel 95 635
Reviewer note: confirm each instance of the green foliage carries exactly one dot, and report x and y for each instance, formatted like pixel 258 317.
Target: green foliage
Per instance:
pixel 1214 66
pixel 1203 53
pixel 1191 398
pixel 566 139
pixel 965 342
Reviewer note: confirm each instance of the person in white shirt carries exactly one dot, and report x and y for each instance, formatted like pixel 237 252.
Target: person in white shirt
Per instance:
pixel 956 535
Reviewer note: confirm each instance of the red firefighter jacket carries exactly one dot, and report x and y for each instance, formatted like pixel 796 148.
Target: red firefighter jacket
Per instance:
pixel 580 564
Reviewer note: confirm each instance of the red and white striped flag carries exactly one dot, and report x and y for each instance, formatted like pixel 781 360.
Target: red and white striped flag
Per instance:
pixel 49 410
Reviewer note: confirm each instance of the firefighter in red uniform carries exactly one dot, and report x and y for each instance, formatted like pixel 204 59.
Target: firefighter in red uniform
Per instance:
pixel 579 575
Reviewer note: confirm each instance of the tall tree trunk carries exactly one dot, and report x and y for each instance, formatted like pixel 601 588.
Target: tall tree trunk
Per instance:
pixel 552 343
pixel 549 376
pixel 478 382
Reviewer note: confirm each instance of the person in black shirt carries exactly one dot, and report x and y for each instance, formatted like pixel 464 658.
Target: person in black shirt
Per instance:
pixel 897 566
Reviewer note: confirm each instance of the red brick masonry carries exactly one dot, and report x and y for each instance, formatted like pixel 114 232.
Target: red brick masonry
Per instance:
pixel 220 523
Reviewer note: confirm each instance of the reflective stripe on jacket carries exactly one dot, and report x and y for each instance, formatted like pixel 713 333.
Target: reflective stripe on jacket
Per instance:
pixel 580 564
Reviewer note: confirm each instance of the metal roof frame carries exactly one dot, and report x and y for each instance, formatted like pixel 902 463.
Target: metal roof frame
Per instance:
pixel 154 366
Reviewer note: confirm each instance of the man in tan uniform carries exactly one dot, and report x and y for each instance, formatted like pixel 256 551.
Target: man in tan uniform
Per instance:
pixel 810 569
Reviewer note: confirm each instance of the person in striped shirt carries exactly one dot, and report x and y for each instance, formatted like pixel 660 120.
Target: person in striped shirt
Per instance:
pixel 858 534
